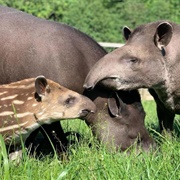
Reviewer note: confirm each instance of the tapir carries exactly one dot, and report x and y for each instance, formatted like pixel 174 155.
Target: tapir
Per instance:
pixel 117 124
pixel 27 104
pixel 31 46
pixel 150 59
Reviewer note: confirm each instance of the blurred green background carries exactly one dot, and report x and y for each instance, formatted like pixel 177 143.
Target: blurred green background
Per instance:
pixel 101 19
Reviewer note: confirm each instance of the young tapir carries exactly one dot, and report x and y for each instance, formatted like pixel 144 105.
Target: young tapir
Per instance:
pixel 31 46
pixel 124 129
pixel 149 59
pixel 27 104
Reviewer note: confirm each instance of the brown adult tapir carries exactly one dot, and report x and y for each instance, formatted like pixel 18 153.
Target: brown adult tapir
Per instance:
pixel 30 46
pixel 149 59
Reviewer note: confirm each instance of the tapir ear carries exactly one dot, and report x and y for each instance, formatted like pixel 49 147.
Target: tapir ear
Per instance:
pixel 126 32
pixel 41 86
pixel 163 35
pixel 115 105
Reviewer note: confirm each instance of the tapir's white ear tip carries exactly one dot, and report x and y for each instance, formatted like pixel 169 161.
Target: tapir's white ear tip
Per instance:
pixel 40 76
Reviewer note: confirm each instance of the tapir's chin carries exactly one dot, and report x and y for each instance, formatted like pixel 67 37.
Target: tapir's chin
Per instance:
pixel 111 83
pixel 116 83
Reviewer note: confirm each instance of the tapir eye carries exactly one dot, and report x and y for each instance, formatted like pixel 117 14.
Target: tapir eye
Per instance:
pixel 69 101
pixel 133 60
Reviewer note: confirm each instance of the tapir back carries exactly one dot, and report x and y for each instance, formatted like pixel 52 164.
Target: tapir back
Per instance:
pixel 31 46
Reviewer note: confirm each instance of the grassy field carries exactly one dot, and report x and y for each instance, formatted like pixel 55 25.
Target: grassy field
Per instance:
pixel 90 163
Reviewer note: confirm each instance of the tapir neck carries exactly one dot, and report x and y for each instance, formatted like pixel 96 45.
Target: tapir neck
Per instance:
pixel 169 91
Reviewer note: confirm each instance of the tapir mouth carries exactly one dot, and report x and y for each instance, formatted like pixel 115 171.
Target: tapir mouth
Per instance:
pixel 112 83
pixel 109 81
pixel 85 112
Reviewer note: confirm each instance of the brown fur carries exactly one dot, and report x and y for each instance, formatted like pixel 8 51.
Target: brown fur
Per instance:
pixel 26 105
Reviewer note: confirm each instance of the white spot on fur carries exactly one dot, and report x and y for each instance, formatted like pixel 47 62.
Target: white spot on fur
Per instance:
pixel 29 98
pixel 9 97
pixel 21 115
pixel 34 105
pixel 6 113
pixel 3 93
pixel 41 113
pixel 12 127
pixel 17 102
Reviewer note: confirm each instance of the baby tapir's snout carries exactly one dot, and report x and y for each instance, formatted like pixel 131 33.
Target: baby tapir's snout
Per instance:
pixel 27 104
pixel 75 105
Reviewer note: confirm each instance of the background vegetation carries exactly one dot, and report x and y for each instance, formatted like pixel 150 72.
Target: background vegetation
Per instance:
pixel 82 162
pixel 101 19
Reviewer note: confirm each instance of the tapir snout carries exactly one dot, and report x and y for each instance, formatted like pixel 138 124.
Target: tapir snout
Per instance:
pixel 108 72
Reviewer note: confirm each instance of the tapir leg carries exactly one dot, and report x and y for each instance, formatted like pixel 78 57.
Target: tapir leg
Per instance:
pixel 165 116
pixel 53 133
pixel 56 135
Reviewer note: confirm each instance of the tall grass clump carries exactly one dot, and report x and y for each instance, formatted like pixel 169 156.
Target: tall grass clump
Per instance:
pixel 4 172
pixel 88 159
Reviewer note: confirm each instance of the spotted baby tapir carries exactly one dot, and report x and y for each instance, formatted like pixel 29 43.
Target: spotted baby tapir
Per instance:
pixel 26 105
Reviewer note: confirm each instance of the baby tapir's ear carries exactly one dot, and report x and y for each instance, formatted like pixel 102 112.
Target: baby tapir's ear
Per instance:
pixel 115 105
pixel 41 86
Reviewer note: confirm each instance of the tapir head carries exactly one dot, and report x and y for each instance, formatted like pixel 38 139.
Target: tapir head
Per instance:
pixel 119 122
pixel 140 63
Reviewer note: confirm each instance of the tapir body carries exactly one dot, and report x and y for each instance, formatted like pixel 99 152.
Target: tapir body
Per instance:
pixel 149 59
pixel 31 46
pixel 27 104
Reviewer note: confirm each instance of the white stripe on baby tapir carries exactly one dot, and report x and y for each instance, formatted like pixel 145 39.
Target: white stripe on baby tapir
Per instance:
pixel 3 93
pixel 6 113
pixel 21 115
pixel 17 102
pixel 19 86
pixel 29 98
pixel 9 97
pixel 12 127
pixel 34 105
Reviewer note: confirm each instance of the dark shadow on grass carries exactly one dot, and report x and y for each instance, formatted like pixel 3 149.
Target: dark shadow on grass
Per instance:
pixel 42 146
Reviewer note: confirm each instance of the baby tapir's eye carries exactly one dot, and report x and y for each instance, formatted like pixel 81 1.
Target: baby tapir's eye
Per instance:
pixel 69 101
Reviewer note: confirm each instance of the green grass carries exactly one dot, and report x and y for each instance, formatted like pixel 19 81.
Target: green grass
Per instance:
pixel 91 163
